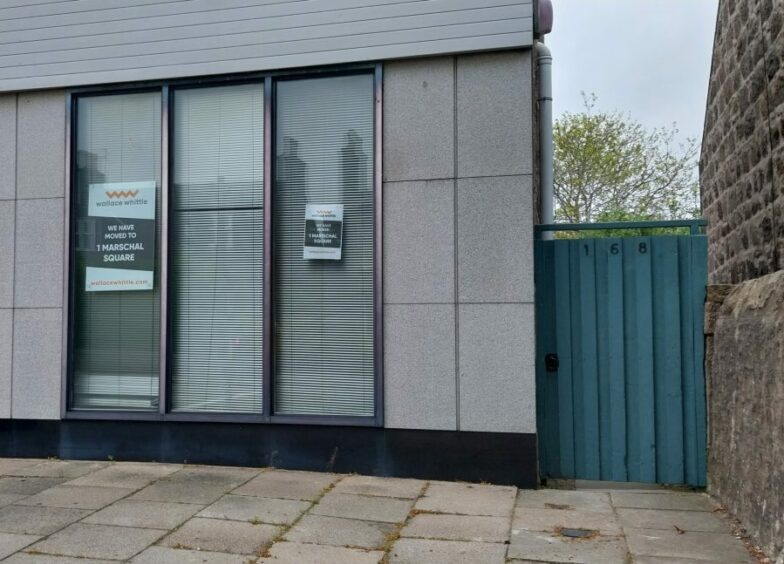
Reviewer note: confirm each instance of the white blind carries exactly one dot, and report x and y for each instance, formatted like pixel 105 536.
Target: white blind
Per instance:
pixel 116 334
pixel 217 228
pixel 323 308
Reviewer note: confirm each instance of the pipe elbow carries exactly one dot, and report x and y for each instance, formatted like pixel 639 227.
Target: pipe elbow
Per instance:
pixel 543 54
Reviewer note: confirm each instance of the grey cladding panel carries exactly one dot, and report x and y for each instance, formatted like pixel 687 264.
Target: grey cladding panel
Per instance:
pixel 55 44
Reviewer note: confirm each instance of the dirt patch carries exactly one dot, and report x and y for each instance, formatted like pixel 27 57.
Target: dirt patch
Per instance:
pixel 576 534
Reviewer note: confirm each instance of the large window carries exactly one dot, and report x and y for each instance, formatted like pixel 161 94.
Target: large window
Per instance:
pixel 324 307
pixel 116 289
pixel 217 268
pixel 224 250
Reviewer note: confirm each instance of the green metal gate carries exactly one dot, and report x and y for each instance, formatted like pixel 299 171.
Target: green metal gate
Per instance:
pixel 620 384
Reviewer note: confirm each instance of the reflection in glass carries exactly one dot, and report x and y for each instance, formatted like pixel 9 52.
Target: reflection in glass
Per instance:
pixel 218 249
pixel 115 335
pixel 323 308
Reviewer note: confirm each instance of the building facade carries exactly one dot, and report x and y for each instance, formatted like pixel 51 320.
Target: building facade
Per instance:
pixel 742 178
pixel 270 234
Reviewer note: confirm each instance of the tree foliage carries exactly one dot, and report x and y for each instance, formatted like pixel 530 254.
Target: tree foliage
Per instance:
pixel 611 168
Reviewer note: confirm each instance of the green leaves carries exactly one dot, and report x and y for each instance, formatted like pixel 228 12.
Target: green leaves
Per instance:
pixel 609 167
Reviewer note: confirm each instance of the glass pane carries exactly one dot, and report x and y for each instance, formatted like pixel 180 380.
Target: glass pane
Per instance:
pixel 116 235
pixel 218 249
pixel 324 306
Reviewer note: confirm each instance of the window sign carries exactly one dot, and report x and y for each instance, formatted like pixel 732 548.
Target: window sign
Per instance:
pixel 323 232
pixel 122 254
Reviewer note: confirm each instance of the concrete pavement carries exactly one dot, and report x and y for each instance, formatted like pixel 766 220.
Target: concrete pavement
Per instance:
pixel 61 512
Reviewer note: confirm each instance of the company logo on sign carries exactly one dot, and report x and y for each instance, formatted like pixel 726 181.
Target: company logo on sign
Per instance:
pixel 131 200
pixel 122 193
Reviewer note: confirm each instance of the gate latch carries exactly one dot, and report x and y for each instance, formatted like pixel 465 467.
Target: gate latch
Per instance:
pixel 551 362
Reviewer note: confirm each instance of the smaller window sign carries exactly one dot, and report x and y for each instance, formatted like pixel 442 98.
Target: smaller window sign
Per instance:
pixel 323 232
pixel 121 255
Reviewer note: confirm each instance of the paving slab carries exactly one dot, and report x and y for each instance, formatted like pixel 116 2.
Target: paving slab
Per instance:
pixel 8 499
pixel 384 487
pixel 366 508
pixel 518 561
pixel 597 502
pixel 417 551
pixel 256 509
pixel 37 520
pixel 79 497
pixel 714 547
pixel 296 553
pixel 227 476
pixel 66 469
pixel 468 499
pixel 219 535
pixel 199 484
pixel 611 486
pixel 8 465
pixel 335 531
pixel 97 541
pixel 474 528
pixel 27 486
pixel 665 560
pixel 11 542
pixel 538 546
pixel 126 475
pixel 283 484
pixel 165 555
pixel 668 520
pixel 181 492
pixel 664 500
pixel 24 558
pixel 144 514
pixel 196 484
pixel 552 519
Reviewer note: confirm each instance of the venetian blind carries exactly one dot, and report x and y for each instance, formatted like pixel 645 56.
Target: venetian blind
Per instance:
pixel 217 227
pixel 116 333
pixel 324 308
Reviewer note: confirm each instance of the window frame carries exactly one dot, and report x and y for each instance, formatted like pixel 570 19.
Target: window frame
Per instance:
pixel 166 88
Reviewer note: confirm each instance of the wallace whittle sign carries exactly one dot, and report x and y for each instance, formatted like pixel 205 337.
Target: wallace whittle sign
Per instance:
pixel 122 216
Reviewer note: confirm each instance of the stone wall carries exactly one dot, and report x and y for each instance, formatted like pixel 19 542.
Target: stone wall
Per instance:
pixel 742 179
pixel 742 163
pixel 746 391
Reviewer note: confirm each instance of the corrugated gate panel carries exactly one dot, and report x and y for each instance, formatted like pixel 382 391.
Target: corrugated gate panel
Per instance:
pixel 668 373
pixel 610 329
pixel 563 329
pixel 624 316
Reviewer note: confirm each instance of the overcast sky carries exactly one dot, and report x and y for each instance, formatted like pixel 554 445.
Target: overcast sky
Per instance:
pixel 648 58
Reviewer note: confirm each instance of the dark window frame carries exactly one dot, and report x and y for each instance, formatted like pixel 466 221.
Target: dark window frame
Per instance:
pixel 166 89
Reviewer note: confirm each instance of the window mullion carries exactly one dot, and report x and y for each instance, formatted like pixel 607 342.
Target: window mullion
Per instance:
pixel 163 381
pixel 268 304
